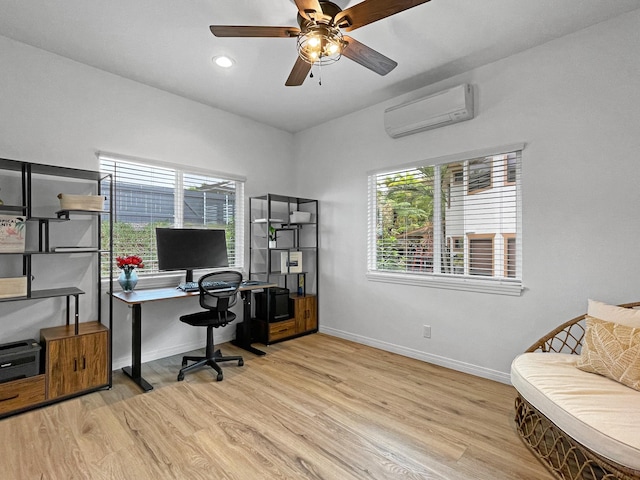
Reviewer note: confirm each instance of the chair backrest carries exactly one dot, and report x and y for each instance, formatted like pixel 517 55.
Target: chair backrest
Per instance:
pixel 219 290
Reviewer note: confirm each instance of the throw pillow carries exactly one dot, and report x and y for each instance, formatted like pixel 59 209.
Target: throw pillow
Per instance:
pixel 612 350
pixel 612 313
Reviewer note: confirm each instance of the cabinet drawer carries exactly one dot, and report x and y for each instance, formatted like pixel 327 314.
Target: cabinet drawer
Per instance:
pixel 21 393
pixel 279 330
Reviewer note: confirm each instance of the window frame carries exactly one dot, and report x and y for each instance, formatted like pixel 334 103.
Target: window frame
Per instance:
pixel 490 285
pixel 172 278
pixel 506 238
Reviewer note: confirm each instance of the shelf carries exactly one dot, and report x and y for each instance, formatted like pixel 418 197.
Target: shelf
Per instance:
pixel 284 198
pixel 19 209
pixel 64 214
pixel 56 292
pixel 47 219
pixel 49 293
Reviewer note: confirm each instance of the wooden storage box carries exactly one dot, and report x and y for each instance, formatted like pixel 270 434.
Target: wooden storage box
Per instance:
pixel 13 287
pixel 94 203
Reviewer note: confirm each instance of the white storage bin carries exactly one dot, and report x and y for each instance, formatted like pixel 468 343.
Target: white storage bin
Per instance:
pixel 300 217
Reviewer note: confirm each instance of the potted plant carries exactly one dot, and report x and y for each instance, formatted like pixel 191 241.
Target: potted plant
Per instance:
pixel 272 236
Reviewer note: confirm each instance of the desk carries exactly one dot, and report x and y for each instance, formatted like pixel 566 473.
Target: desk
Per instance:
pixel 137 298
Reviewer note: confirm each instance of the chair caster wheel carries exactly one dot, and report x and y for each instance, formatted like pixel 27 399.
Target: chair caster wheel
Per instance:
pixel 240 362
pixel 180 377
pixel 219 377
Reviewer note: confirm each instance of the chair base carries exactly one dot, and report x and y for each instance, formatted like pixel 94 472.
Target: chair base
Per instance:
pixel 208 361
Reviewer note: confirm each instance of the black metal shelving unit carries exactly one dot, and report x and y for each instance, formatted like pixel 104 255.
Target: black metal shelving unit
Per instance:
pixel 22 204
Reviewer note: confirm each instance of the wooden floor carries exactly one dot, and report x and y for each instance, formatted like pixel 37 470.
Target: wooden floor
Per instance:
pixel 317 407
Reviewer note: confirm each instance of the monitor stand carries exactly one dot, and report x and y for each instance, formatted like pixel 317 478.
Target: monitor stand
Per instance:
pixel 189 276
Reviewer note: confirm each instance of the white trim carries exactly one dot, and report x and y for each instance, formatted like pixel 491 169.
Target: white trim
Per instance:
pixel 455 157
pixel 502 377
pixel 498 286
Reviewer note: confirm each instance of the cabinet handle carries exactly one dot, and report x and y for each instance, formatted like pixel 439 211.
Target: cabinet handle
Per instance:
pixel 84 363
pixel 75 364
pixel 9 398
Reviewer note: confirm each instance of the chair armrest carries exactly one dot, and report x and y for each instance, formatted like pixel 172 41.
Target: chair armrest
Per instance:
pixel 567 338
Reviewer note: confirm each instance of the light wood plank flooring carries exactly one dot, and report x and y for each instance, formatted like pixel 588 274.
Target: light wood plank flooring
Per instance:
pixel 316 407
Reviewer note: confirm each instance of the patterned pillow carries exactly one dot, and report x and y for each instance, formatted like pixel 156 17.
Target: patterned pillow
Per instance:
pixel 612 350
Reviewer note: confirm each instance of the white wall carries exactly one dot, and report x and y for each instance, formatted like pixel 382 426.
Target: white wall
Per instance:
pixel 573 101
pixel 59 112
pixel 575 104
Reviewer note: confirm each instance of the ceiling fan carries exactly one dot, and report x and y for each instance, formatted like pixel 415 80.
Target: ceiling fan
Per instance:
pixel 320 40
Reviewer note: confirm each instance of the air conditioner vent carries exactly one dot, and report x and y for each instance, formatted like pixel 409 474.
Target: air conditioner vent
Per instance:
pixel 443 108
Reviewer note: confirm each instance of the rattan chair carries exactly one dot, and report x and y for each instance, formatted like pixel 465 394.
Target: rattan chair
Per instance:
pixel 218 293
pixel 565 458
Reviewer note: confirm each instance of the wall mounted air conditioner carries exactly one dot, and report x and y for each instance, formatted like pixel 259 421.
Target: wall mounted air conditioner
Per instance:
pixel 443 108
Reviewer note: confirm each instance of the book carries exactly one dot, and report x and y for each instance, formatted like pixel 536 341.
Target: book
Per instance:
pixel 291 262
pixel 12 234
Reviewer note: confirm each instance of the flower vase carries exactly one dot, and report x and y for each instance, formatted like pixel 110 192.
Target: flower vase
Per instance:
pixel 128 279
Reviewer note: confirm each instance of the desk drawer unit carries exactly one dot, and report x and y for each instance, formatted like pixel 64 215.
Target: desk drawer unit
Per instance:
pixel 21 393
pixel 280 330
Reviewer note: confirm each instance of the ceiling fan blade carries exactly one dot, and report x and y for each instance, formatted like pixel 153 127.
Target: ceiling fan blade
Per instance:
pixel 307 6
pixel 367 57
pixel 298 73
pixel 370 11
pixel 253 31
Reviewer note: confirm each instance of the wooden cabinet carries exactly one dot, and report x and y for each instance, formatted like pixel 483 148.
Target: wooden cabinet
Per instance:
pixel 305 312
pixel 304 320
pixel 74 363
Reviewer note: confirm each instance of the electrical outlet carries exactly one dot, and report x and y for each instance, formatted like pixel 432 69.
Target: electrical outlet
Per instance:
pixel 426 331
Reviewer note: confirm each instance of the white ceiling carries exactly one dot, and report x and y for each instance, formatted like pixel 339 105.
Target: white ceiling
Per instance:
pixel 167 44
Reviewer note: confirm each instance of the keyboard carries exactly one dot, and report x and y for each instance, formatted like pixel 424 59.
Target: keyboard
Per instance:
pixel 193 286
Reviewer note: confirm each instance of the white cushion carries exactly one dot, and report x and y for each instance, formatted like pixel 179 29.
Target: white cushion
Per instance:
pixel 598 412
pixel 612 313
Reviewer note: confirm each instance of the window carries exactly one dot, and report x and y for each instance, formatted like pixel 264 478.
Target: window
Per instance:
pixel 480 173
pixel 149 195
pixel 481 255
pixel 452 223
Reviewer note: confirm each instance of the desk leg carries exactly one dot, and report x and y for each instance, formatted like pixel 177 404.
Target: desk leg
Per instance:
pixel 243 330
pixel 135 370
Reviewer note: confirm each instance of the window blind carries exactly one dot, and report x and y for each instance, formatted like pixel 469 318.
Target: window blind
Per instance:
pixel 457 219
pixel 149 195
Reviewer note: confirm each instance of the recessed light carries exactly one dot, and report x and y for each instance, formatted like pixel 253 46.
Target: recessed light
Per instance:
pixel 223 61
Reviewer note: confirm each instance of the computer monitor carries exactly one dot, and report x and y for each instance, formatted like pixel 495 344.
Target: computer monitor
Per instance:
pixel 191 248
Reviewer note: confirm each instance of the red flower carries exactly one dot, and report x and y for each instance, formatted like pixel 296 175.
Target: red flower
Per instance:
pixel 132 261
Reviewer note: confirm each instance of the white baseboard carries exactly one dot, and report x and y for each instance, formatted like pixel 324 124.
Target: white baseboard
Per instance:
pixel 476 370
pixel 150 355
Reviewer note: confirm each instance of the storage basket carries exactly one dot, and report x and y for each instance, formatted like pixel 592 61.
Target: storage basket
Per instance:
pixel 94 203
pixel 13 287
pixel 300 217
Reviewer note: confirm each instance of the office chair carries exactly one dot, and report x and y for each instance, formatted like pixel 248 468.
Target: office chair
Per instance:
pixel 217 295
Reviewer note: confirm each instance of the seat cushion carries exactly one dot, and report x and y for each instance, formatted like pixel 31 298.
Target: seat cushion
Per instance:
pixel 599 413
pixel 208 318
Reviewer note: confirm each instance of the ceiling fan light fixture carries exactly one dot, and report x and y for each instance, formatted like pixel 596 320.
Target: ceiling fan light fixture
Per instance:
pixel 320 44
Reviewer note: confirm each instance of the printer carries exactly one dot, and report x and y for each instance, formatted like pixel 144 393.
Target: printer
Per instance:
pixel 19 359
